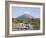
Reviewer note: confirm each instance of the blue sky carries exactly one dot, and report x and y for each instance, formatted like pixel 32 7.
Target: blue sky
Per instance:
pixel 18 11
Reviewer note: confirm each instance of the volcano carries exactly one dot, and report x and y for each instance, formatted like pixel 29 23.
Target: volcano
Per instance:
pixel 25 16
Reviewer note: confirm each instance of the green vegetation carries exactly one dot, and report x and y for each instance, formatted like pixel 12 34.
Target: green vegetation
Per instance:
pixel 35 21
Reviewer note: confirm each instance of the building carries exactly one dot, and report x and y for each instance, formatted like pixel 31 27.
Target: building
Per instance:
pixel 22 26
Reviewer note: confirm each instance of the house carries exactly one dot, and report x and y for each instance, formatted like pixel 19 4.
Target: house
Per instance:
pixel 22 26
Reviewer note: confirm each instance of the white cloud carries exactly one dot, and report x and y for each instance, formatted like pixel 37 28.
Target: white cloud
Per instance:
pixel 26 12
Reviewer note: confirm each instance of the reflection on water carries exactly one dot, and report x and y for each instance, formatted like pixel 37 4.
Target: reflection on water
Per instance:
pixel 22 27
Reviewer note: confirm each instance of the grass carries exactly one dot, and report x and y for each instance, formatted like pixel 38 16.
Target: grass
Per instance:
pixel 35 21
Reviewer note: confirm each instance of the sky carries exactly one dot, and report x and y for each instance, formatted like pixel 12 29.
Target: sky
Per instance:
pixel 18 11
